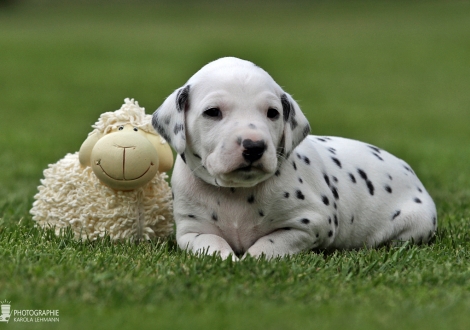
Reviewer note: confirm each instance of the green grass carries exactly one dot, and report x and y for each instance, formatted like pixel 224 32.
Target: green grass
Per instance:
pixel 394 74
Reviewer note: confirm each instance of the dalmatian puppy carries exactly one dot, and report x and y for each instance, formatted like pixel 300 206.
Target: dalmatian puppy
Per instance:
pixel 250 180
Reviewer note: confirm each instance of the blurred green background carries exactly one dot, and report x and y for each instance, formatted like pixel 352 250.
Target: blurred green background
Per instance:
pixel 395 74
pixel 392 73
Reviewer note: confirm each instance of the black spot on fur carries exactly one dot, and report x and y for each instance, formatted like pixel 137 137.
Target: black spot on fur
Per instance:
pixel 277 173
pixel 352 219
pixel 419 189
pixel 320 139
pixel 299 195
pixel 327 179
pixel 335 206
pixel 335 179
pixel 352 177
pixel 325 200
pixel 261 213
pixel 183 157
pixel 271 241
pixel 336 161
pixel 362 174
pixel 390 177
pixel 286 194
pixel 214 216
pixel 329 220
pixel 161 130
pixel 293 121
pixel 396 214
pixel 336 221
pixel 178 128
pixel 388 189
pixel 370 186
pixel 182 98
pixel 251 199
pixel 306 160
pixel 335 192
pixel 332 150
pixel 300 180
pixel 330 233
pixel 434 221
pixel 377 150
pixel 286 107
pixel 408 169
pixel 294 165
pixel 305 221
pixel 417 200
pixel 377 155
pixel 306 130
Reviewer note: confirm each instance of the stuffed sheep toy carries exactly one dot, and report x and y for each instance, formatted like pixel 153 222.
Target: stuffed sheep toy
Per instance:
pixel 116 184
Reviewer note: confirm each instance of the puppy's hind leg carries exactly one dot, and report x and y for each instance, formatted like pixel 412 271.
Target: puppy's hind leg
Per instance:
pixel 412 223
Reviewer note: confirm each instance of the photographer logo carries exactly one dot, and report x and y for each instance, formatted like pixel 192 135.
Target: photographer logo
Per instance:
pixel 5 316
pixel 27 315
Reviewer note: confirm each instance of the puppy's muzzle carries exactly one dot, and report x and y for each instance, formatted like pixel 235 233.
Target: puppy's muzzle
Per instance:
pixel 254 150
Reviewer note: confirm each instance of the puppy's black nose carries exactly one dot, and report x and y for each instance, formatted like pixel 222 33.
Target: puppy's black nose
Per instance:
pixel 254 150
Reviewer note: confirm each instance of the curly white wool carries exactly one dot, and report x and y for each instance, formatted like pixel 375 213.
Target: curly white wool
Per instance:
pixel 130 113
pixel 71 195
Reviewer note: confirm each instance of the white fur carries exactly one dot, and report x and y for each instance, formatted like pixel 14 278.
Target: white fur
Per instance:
pixel 303 193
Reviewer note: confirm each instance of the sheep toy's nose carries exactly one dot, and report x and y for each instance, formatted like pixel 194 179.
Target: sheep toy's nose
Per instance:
pixel 124 160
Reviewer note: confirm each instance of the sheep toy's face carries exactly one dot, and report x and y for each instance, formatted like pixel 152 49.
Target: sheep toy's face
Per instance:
pixel 124 159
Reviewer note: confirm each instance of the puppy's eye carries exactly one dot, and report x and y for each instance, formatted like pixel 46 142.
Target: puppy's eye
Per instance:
pixel 273 114
pixel 135 129
pixel 213 113
pixel 120 128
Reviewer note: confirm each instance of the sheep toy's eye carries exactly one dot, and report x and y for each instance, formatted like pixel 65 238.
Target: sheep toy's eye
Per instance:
pixel 120 128
pixel 135 129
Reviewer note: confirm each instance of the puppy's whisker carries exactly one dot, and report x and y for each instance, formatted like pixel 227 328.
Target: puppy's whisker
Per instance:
pixel 281 156
pixel 196 168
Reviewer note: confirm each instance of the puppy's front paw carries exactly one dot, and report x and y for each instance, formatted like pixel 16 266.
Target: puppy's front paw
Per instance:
pixel 228 255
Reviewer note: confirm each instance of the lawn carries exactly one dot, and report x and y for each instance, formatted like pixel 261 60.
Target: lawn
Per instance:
pixel 394 74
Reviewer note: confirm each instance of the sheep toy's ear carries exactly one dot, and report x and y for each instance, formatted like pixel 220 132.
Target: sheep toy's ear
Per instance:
pixel 165 156
pixel 84 155
pixel 169 119
pixel 296 126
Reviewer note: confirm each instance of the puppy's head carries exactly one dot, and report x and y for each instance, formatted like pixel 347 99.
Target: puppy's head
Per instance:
pixel 231 123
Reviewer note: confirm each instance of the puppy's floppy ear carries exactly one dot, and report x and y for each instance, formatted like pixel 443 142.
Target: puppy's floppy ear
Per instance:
pixel 296 126
pixel 169 119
